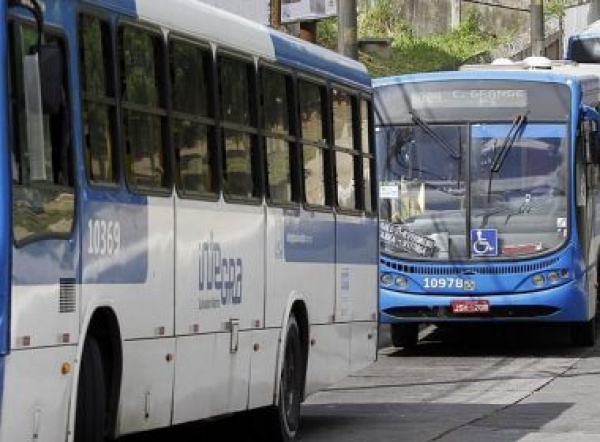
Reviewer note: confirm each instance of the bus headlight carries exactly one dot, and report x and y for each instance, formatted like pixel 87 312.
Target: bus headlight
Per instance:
pixel 401 282
pixel 565 274
pixel 553 277
pixel 387 279
pixel 538 279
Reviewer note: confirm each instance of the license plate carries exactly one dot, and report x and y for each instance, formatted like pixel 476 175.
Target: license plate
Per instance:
pixel 470 307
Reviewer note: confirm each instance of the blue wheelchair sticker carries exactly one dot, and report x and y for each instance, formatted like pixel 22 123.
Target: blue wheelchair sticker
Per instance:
pixel 484 242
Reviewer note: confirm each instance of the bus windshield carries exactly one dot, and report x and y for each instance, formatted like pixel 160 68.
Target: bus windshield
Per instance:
pixel 434 206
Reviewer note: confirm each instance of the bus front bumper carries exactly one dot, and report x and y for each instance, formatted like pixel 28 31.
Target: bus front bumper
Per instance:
pixel 566 303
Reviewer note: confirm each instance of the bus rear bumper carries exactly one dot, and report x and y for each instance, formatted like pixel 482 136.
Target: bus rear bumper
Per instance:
pixel 566 303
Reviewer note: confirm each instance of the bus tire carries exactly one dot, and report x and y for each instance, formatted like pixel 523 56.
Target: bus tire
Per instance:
pixel 405 335
pixel 583 334
pixel 280 423
pixel 90 417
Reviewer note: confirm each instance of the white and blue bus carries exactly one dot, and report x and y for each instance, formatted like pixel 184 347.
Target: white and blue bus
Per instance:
pixel 488 197
pixel 188 221
pixel 584 47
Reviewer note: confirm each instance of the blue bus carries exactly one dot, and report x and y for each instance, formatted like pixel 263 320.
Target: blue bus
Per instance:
pixel 188 219
pixel 488 197
pixel 584 47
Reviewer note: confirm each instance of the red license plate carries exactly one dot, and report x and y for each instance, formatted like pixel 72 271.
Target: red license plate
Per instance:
pixel 470 307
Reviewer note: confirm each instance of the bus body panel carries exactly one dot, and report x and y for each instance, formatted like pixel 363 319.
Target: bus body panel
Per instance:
pixel 146 397
pixel 44 413
pixel 329 360
pixel 299 243
pixel 356 247
pixel 219 285
pixel 146 250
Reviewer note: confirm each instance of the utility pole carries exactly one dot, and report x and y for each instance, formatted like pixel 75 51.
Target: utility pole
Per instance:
pixel 276 14
pixel 347 33
pixel 308 31
pixel 537 28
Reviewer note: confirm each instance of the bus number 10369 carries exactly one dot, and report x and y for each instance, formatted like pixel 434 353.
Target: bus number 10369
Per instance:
pixel 104 237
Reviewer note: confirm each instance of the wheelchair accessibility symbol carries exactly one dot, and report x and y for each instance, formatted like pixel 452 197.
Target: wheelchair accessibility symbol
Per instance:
pixel 484 242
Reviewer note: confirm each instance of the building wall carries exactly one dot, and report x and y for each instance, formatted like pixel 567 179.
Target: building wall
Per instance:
pixel 501 16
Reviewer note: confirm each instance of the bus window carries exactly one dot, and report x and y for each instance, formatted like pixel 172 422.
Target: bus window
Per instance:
pixel 368 159
pixel 277 107
pixel 43 182
pixel 144 113
pixel 99 103
pixel 346 158
pixel 310 97
pixel 193 123
pixel 240 164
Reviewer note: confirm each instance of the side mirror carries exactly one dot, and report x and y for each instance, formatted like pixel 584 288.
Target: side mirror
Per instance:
pixel 51 76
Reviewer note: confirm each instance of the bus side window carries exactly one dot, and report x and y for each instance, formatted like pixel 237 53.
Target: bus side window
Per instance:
pixel 99 101
pixel 276 118
pixel 314 144
pixel 368 183
pixel 345 143
pixel 193 119
pixel 144 111
pixel 43 175
pixel 241 165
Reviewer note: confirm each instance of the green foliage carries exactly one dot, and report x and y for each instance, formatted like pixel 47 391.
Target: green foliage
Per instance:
pixel 411 53
pixel 555 8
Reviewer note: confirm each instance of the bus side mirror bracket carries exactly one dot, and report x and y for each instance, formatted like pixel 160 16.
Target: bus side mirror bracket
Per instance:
pixel 51 76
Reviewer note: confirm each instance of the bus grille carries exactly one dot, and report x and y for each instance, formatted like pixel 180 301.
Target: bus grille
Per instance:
pixel 496 269
pixel 67 295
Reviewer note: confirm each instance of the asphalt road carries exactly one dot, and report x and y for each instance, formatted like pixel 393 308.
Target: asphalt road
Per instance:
pixel 492 384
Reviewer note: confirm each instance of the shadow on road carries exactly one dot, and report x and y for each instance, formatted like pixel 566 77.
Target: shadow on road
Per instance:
pixel 465 340
pixel 422 422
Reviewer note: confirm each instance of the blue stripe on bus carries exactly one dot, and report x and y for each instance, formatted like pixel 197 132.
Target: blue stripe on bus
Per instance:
pixel 529 131
pixel 312 58
pixel 313 240
pixel 125 7
pixel 357 243
pixel 100 262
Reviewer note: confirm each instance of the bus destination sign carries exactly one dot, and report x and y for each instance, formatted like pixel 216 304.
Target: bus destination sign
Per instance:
pixel 469 98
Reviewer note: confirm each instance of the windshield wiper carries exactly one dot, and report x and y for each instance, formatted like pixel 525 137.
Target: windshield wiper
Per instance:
pixel 513 133
pixel 429 131
pixel 509 141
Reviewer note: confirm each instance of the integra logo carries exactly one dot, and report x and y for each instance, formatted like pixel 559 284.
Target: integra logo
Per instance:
pixel 220 273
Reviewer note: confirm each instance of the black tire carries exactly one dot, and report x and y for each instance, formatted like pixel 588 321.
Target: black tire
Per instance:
pixel 90 417
pixel 583 334
pixel 405 335
pixel 280 423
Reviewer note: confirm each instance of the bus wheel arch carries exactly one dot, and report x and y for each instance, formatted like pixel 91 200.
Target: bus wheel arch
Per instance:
pixel 102 349
pixel 280 421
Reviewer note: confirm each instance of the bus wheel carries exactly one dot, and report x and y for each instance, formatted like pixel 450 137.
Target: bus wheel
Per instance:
pixel 405 335
pixel 583 334
pixel 280 423
pixel 90 417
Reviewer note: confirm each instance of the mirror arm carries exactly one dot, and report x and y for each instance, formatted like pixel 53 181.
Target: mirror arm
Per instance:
pixel 36 10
